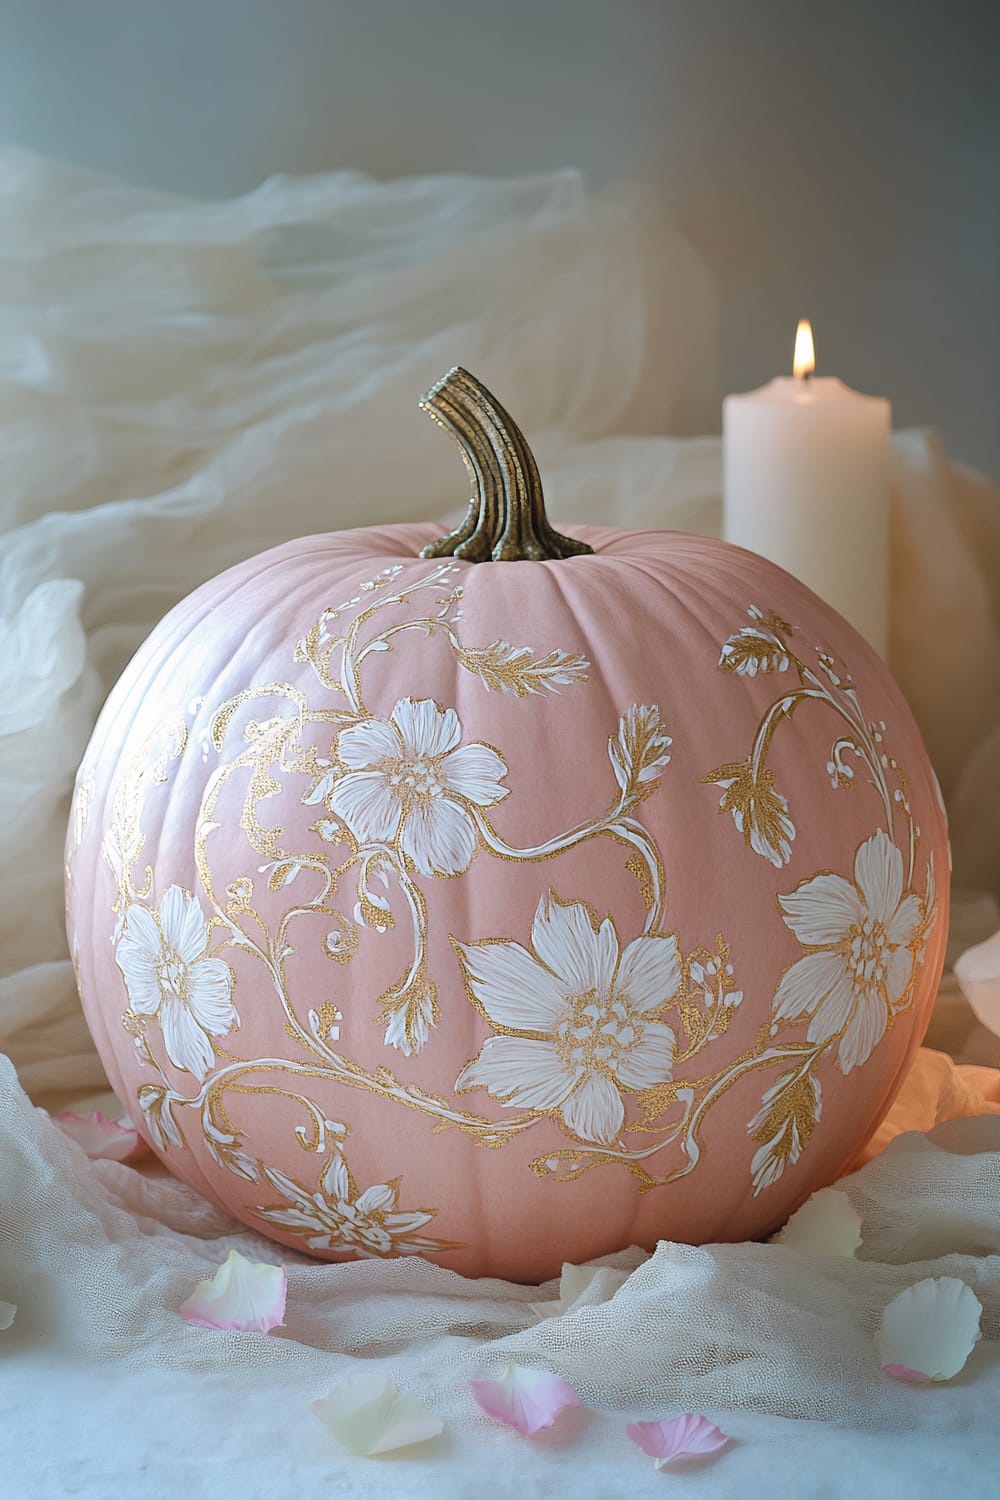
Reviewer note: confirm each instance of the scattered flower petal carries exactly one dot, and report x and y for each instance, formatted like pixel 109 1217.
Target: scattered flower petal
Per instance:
pixel 906 1375
pixel 527 1400
pixel 101 1138
pixel 572 1284
pixel 370 1416
pixel 932 1326
pixel 244 1294
pixel 826 1224
pixel 7 1312
pixel 678 1440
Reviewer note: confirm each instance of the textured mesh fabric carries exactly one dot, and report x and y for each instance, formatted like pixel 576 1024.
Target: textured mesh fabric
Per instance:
pixel 183 385
pixel 774 1345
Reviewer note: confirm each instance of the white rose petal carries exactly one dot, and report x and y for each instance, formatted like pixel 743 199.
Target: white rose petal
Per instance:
pixel 826 1224
pixel 370 1416
pixel 930 1329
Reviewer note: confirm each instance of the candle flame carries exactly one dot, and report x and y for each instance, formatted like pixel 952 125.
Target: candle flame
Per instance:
pixel 804 358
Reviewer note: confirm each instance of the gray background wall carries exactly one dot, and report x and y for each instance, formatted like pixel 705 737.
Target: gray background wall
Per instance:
pixel 836 159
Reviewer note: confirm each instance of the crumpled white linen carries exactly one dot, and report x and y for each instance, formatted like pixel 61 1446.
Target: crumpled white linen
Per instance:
pixel 105 1387
pixel 183 384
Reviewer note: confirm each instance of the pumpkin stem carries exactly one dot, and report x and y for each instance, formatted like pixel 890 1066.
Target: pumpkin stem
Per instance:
pixel 506 519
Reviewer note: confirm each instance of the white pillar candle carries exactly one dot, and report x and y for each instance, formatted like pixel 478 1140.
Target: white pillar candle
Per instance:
pixel 805 483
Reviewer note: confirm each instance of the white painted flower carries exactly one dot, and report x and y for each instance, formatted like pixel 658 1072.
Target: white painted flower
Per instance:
pixel 408 777
pixel 586 1010
pixel 861 961
pixel 338 1217
pixel 162 958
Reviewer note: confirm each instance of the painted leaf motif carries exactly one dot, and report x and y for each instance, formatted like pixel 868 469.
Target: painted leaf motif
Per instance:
pixel 639 751
pixel 283 874
pixel 749 652
pixel 789 1112
pixel 225 1148
pixel 759 812
pixel 503 668
pixel 410 1014
pixel 154 1101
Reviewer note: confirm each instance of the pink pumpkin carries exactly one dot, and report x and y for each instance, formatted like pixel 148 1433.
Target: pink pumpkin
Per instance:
pixel 506 915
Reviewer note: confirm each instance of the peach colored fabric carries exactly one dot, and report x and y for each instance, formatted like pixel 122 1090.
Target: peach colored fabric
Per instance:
pixel 459 983
pixel 935 1089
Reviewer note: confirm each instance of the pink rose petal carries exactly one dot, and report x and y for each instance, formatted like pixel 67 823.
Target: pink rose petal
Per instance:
pixel 101 1138
pixel 908 1376
pixel 248 1295
pixel 679 1439
pixel 527 1400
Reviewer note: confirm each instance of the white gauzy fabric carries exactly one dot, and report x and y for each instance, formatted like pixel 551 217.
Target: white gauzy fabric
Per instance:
pixel 104 1387
pixel 181 385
